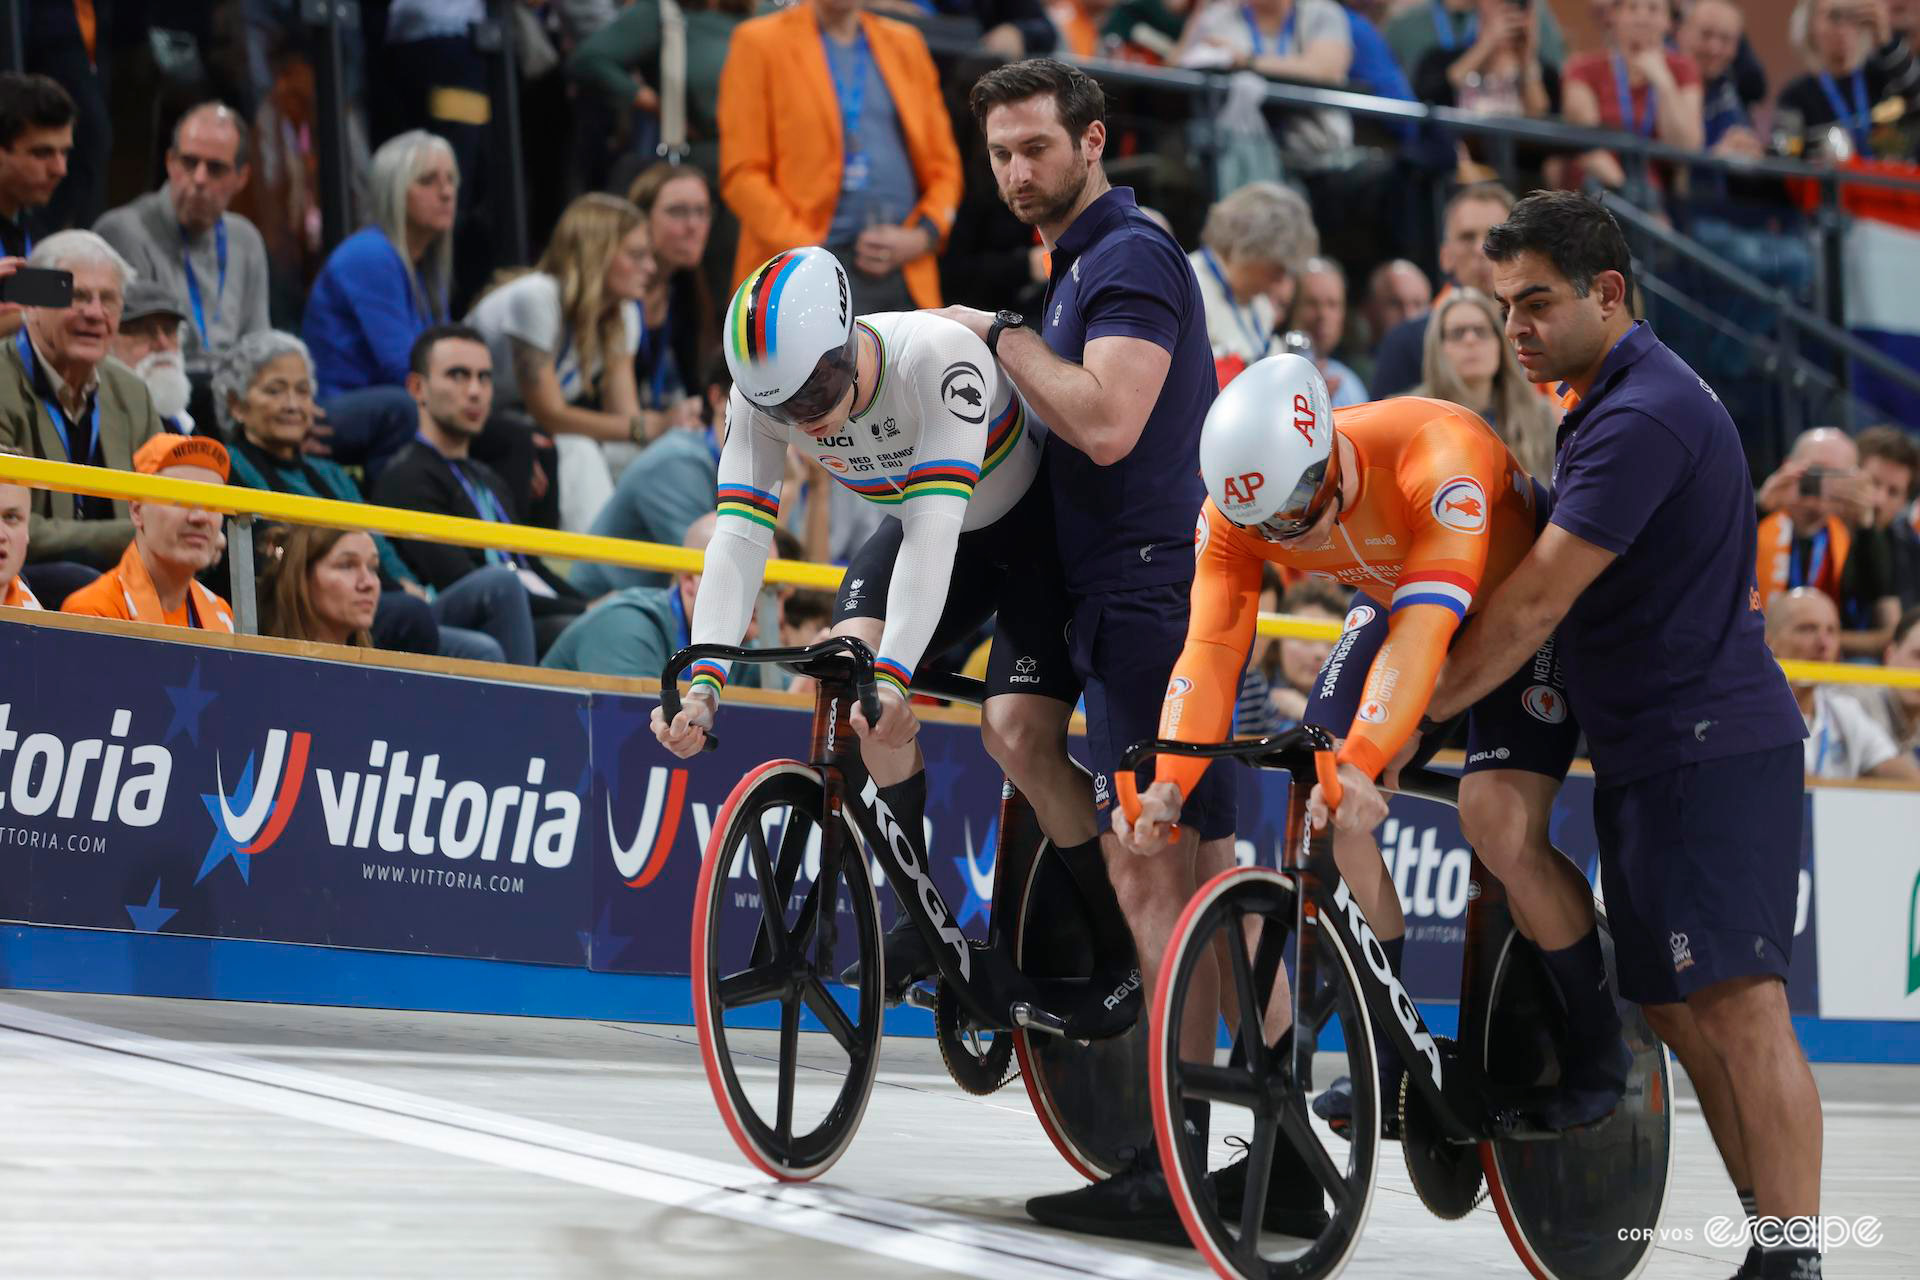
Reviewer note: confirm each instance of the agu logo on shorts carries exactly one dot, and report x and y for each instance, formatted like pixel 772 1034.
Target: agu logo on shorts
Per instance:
pixel 1461 505
pixel 1545 703
pixel 1358 616
pixel 1373 711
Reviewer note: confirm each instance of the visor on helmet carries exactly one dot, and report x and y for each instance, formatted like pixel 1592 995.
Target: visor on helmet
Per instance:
pixel 820 392
pixel 1303 507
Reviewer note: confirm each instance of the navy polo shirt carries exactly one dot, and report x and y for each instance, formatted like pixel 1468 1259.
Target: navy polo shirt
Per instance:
pixel 1129 525
pixel 1665 655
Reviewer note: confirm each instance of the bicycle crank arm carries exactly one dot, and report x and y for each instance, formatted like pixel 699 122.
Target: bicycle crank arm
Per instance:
pixel 1031 1018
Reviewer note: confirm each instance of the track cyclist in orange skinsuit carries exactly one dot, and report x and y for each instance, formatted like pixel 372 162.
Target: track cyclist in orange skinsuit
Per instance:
pixel 1417 505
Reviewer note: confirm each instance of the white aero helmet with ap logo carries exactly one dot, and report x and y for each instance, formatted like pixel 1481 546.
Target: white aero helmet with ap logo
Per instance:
pixel 789 335
pixel 1266 450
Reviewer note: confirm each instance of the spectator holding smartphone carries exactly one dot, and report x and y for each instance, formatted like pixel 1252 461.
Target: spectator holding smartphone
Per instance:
pixel 1499 73
pixel 1813 510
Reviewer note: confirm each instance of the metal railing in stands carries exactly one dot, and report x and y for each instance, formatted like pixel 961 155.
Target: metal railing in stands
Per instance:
pixel 243 506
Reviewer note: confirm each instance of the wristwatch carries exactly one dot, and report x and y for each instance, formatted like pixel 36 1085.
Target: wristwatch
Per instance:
pixel 1002 320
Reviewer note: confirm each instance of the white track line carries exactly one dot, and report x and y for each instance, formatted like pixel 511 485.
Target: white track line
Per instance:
pixel 904 1232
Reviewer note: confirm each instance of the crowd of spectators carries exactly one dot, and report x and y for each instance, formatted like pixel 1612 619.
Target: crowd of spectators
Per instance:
pixel 584 390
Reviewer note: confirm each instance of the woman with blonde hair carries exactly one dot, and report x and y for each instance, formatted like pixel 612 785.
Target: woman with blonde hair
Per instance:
pixel 321 585
pixel 1466 361
pixel 380 289
pixel 563 338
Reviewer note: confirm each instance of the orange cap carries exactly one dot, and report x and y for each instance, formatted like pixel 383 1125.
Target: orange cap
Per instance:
pixel 170 450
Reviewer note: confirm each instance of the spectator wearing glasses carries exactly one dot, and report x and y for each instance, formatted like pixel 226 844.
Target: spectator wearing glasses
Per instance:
pixel 16 506
pixel 1469 363
pixel 184 239
pixel 679 332
pixel 452 385
pixel 36 139
pixel 381 288
pixel 264 390
pixel 62 399
pixel 1711 34
pixel 1861 96
pixel 155 579
pixel 1843 740
pixel 149 344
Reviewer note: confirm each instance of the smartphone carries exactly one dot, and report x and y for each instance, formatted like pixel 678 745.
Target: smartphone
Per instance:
pixel 1814 481
pixel 38 287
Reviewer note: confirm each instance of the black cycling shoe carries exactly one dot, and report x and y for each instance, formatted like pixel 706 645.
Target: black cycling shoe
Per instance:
pixel 1590 1088
pixel 1295 1204
pixel 1335 1106
pixel 1750 1265
pixel 907 960
pixel 1134 1204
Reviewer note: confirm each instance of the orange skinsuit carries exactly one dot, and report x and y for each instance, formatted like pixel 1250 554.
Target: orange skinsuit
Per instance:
pixel 1417 540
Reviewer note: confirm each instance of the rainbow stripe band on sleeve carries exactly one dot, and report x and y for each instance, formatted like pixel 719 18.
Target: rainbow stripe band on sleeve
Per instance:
pixel 1004 432
pixel 893 673
pixel 753 505
pixel 941 478
pixel 1435 586
pixel 708 673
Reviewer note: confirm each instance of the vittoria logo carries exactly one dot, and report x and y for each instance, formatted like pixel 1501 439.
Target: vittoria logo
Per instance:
pixel 640 862
pixel 106 779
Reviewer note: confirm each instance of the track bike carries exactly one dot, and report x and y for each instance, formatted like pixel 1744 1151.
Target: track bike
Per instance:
pixel 787 937
pixel 1579 1205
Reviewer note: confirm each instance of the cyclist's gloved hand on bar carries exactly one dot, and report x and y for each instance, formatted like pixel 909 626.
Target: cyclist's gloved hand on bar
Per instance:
pixel 898 725
pixel 688 732
pixel 1362 807
pixel 1159 810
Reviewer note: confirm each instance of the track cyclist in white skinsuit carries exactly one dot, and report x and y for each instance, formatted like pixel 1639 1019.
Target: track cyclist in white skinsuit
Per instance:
pixel 908 410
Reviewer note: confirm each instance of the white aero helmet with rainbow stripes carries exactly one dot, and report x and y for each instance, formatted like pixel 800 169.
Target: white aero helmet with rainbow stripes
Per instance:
pixel 789 335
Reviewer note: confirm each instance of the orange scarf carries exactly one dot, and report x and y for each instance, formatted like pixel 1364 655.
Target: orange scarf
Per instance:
pixel 1775 566
pixel 143 598
pixel 18 595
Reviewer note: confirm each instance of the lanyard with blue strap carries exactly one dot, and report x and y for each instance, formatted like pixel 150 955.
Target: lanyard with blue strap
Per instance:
pixel 1443 28
pixel 1628 117
pixel 59 417
pixel 1859 122
pixel 852 94
pixel 1282 44
pixel 1256 342
pixel 1816 562
pixel 486 504
pixel 656 351
pixel 681 627
pixel 193 280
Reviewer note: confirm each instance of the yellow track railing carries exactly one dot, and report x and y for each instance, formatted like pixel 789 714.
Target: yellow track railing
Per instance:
pixel 232 500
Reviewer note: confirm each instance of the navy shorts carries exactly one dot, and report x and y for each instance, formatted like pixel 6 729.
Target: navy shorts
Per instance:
pixel 1006 573
pixel 1700 868
pixel 1124 645
pixel 1526 723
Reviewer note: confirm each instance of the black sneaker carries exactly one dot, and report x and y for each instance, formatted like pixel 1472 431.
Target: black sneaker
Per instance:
pixel 908 960
pixel 1590 1089
pixel 1134 1204
pixel 1335 1106
pixel 1295 1205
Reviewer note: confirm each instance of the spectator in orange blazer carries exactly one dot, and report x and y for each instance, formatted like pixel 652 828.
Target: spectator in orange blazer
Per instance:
pixel 796 85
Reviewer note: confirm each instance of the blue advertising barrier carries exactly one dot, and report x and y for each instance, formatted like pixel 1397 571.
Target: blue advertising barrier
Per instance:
pixel 169 809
